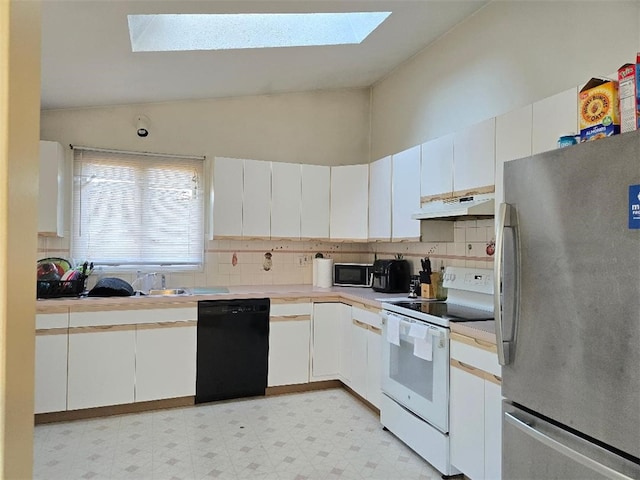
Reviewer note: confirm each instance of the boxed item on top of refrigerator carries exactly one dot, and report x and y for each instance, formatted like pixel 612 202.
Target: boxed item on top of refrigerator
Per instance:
pixel 599 109
pixel 629 93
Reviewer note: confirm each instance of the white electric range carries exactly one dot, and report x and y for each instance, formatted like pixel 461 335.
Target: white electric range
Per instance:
pixel 415 361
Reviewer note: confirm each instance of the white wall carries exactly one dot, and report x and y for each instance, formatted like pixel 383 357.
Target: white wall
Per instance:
pixel 507 55
pixel 322 127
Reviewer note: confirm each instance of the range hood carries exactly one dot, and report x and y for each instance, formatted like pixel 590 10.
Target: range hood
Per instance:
pixel 458 208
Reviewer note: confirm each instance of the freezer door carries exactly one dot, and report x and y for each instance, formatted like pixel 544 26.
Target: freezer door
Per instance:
pixel 537 450
pixel 576 351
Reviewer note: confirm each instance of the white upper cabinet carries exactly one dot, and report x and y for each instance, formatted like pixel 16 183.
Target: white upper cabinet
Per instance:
pixel 553 117
pixel 286 199
pixel 405 199
pixel 227 199
pixel 436 176
pixel 349 202
pixel 474 157
pixel 316 185
pixel 513 140
pixel 380 199
pixel 51 189
pixel 256 204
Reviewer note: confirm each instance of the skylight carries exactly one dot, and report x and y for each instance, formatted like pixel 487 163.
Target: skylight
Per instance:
pixel 179 32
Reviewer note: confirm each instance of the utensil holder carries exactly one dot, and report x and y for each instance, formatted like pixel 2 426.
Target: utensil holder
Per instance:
pixel 427 290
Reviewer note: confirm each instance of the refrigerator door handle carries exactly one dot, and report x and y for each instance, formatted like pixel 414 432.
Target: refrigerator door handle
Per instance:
pixel 563 449
pixel 506 219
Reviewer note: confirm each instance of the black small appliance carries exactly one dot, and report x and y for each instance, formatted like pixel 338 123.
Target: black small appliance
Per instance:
pixel 391 276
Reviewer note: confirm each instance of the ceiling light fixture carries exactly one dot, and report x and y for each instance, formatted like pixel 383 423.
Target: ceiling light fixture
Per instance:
pixel 181 32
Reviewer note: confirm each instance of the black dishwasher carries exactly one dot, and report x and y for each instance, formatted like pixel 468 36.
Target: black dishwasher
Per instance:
pixel 233 349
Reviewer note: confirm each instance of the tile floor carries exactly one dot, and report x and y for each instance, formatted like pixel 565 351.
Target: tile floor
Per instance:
pixel 315 435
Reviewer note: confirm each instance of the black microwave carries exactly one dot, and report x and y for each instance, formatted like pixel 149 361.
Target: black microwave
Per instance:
pixel 352 274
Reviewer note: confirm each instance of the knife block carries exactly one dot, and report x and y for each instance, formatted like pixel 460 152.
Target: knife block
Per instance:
pixel 427 290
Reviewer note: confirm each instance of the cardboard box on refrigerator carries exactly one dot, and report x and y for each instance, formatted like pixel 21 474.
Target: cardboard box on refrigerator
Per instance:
pixel 629 93
pixel 599 109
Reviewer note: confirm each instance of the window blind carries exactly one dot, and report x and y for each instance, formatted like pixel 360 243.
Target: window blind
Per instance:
pixel 138 209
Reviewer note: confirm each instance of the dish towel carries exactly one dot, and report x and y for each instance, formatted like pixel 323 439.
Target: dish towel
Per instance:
pixel 422 341
pixel 393 329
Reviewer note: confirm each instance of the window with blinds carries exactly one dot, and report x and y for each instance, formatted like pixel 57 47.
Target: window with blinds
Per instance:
pixel 137 210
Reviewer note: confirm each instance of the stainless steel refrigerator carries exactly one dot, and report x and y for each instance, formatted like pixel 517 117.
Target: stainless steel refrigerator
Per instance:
pixel 568 312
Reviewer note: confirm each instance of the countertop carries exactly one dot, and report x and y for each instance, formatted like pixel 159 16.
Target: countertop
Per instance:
pixel 484 330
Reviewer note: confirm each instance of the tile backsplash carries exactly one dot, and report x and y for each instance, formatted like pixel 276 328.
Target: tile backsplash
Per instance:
pixel 291 261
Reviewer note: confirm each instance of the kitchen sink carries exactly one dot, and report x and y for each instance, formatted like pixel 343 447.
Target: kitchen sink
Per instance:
pixel 169 291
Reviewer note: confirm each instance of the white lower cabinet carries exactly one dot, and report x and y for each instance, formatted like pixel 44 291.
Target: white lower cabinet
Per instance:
pixel 374 365
pixel 467 423
pixel 492 430
pixel 475 409
pixel 359 357
pixel 345 368
pixel 165 361
pixel 366 352
pixel 289 344
pixel 51 372
pixel 52 343
pixel 101 366
pixel 288 352
pixel 325 357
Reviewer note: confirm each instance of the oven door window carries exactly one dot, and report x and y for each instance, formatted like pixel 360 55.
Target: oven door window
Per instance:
pixel 420 385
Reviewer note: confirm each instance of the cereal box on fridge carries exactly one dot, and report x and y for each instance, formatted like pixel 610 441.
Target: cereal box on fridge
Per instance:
pixel 628 93
pixel 598 109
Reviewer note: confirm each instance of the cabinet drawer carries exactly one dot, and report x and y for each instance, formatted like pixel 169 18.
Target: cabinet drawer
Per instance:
pixel 46 321
pixel 286 309
pixel 132 317
pixel 476 357
pixel 367 316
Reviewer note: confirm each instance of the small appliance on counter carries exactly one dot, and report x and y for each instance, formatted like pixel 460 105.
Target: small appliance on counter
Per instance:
pixel 391 276
pixel 352 274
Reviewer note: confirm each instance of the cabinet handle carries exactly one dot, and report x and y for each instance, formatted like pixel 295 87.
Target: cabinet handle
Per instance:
pixel 276 301
pixel 467 368
pixel 360 324
pixel 376 330
pixel 289 318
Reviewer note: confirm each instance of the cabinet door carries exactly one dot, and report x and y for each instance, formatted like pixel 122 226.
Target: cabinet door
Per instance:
pixel 256 202
pixel 325 359
pixel 349 202
pixel 345 342
pixel 553 117
pixel 316 188
pixel 286 198
pixel 289 351
pixel 165 361
pixel 436 172
pixel 51 371
pixel 227 194
pixel 380 200
pixel 513 140
pixel 474 158
pixel 101 367
pixel 492 430
pixel 359 371
pixel 467 423
pixel 405 195
pixel 51 189
pixel 374 365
